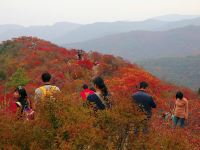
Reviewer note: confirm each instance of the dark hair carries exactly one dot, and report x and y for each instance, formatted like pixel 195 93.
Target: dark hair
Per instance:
pixel 179 95
pixel 99 82
pixel 21 91
pixel 92 89
pixel 85 86
pixel 143 85
pixel 46 77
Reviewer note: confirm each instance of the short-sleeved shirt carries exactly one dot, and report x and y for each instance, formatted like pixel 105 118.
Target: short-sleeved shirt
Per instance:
pixel 39 93
pixel 144 101
pixel 93 98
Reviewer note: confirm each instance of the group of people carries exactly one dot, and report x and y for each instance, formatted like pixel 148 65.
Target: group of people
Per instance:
pixel 98 98
pixel 145 103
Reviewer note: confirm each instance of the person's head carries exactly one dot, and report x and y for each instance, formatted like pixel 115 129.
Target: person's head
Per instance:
pixel 93 89
pixel 179 95
pixel 100 85
pixel 85 86
pixel 46 77
pixel 143 85
pixel 20 92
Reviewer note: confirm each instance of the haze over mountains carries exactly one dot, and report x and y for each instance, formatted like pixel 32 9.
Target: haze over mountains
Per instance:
pixel 64 33
pixel 140 45
pixel 45 32
pixel 175 17
pixel 164 36
pixel 182 71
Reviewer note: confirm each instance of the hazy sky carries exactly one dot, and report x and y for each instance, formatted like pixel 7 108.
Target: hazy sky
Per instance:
pixel 40 12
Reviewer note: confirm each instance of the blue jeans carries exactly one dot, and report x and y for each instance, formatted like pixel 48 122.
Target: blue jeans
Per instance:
pixel 177 120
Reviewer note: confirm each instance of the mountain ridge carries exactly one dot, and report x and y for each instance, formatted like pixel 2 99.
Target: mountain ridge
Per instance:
pixel 154 44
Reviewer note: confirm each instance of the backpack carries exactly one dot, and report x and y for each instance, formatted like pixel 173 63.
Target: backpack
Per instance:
pixel 48 93
pixel 106 100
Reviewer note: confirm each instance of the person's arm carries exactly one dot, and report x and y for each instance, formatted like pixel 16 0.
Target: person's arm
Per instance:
pixel 36 98
pixel 174 108
pixel 29 103
pixel 153 104
pixel 186 110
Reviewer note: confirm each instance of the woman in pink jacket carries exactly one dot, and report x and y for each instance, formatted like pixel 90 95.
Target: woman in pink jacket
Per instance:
pixel 180 110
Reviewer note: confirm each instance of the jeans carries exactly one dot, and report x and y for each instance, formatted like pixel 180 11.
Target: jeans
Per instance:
pixel 177 120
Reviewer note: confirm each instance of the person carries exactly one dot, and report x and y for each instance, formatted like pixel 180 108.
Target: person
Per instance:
pixel 23 103
pixel 145 103
pixel 180 112
pixel 86 92
pixel 47 90
pixel 80 54
pixel 21 95
pixel 92 89
pixel 143 100
pixel 100 98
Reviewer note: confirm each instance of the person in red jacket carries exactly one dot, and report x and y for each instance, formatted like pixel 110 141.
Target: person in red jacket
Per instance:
pixel 86 91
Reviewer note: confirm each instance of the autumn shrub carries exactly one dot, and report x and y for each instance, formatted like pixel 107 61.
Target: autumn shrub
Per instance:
pixel 63 123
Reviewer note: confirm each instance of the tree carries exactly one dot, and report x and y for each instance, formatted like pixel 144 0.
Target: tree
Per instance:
pixel 19 78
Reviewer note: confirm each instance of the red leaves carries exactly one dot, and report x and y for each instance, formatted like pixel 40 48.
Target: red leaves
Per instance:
pixel 38 56
pixel 85 63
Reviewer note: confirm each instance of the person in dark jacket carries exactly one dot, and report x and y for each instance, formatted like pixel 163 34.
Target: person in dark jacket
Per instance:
pixel 145 103
pixel 98 98
pixel 143 100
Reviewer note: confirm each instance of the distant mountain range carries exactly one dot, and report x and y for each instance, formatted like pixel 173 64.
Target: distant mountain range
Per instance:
pixel 45 32
pixel 140 45
pixel 66 33
pixel 98 30
pixel 175 17
pixel 183 71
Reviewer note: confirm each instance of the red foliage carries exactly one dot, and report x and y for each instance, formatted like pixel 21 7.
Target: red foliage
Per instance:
pixel 38 56
pixel 86 63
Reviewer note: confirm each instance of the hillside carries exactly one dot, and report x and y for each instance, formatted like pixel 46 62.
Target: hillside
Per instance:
pixel 140 45
pixel 63 123
pixel 182 71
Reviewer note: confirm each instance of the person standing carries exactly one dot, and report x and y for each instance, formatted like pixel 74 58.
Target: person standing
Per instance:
pixel 145 103
pixel 100 98
pixel 143 100
pixel 85 93
pixel 180 112
pixel 47 90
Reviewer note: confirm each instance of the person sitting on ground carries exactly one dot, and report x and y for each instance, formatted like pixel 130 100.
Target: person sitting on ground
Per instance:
pixel 23 103
pixel 100 98
pixel 86 92
pixel 180 112
pixel 47 89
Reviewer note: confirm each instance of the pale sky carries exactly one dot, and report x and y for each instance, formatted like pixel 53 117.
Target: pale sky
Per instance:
pixel 43 12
